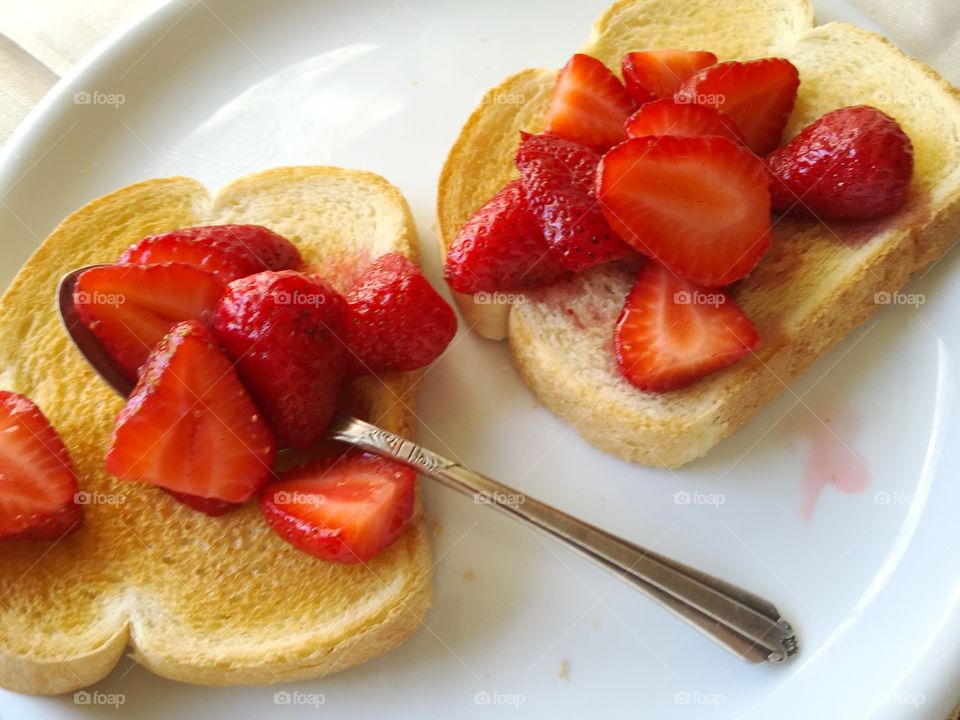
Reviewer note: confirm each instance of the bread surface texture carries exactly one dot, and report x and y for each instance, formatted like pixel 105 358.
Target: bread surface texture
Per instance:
pixel 212 601
pixel 816 283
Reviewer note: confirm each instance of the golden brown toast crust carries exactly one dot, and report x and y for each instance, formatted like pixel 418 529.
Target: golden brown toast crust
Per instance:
pixel 216 601
pixel 807 293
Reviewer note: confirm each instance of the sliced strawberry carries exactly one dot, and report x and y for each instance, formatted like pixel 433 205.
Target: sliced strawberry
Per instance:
pixel 208 506
pixel 659 74
pixel 227 251
pixel 699 205
pixel 131 307
pixel 672 332
pixel 758 95
pixel 285 332
pixel 395 319
pixel 666 117
pixel 189 424
pixel 342 509
pixel 854 163
pixel 37 482
pixel 502 248
pixel 559 182
pixel 589 104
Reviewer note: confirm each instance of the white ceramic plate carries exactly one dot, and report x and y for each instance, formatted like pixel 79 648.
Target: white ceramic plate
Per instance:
pixel 217 89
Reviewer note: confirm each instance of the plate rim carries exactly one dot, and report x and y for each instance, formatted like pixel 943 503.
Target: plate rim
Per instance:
pixel 936 674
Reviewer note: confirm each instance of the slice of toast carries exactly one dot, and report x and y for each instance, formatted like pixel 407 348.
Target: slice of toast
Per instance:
pixel 815 284
pixel 213 601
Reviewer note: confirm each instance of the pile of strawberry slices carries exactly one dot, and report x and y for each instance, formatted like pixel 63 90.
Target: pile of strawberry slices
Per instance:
pixel 237 350
pixel 681 163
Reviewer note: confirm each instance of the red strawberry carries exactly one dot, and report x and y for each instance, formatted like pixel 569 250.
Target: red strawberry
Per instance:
pixel 227 251
pixel 189 425
pixel 666 117
pixel 501 247
pixel 589 104
pixel 559 179
pixel 208 506
pixel 661 73
pixel 854 163
pixel 395 319
pixel 699 205
pixel 37 482
pixel 341 509
pixel 283 329
pixel 129 308
pixel 758 95
pixel 671 332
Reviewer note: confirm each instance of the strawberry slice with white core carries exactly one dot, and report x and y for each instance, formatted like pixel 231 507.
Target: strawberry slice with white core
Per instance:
pixel 666 117
pixel 589 104
pixel 699 205
pixel 672 332
pixel 129 308
pixel 190 425
pixel 758 95
pixel 37 482
pixel 343 509
pixel 654 74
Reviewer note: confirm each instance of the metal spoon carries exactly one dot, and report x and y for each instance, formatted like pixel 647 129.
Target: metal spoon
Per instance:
pixel 745 624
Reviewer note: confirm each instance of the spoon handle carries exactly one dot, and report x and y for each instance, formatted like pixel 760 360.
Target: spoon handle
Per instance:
pixel 743 623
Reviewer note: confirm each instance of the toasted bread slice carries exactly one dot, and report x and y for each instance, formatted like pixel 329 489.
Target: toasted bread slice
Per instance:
pixel 213 601
pixel 815 284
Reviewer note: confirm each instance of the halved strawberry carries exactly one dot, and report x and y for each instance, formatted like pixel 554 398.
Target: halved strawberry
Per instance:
pixel 131 307
pixel 501 247
pixel 395 319
pixel 559 183
pixel 758 95
pixel 659 74
pixel 666 117
pixel 227 251
pixel 672 332
pixel 190 426
pixel 589 104
pixel 699 205
pixel 342 509
pixel 37 482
